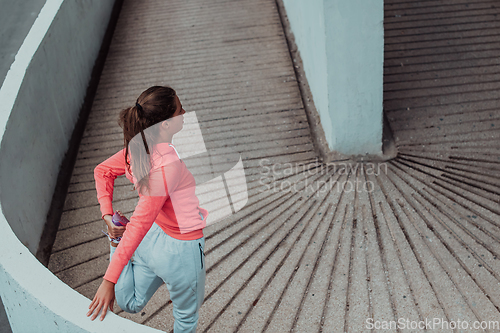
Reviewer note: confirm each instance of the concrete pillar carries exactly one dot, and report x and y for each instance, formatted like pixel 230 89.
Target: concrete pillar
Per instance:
pixel 341 44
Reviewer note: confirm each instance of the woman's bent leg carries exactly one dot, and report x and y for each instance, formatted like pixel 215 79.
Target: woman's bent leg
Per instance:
pixel 136 285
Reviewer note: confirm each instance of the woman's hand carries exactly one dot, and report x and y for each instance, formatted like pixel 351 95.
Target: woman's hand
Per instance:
pixel 104 298
pixel 114 231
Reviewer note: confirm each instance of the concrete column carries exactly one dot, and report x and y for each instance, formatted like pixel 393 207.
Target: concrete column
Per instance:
pixel 341 44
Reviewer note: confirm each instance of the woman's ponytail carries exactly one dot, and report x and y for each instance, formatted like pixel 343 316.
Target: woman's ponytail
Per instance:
pixel 153 106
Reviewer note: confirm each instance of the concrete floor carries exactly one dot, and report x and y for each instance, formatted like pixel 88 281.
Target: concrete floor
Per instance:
pixel 420 241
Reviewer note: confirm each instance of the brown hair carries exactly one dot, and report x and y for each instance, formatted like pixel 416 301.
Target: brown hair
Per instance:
pixel 154 105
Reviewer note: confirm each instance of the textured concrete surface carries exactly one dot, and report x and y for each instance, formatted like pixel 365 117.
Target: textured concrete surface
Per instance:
pixel 317 248
pixel 4 321
pixel 16 19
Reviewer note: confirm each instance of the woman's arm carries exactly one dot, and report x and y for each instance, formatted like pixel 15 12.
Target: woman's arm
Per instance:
pixel 144 215
pixel 105 175
pixel 150 204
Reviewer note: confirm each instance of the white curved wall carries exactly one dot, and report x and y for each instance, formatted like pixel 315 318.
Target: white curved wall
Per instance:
pixel 37 301
pixel 40 100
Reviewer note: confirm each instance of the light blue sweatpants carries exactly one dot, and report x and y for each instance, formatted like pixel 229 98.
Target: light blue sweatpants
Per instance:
pixel 161 258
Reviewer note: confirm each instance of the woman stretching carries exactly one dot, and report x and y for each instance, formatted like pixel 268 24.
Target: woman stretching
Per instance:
pixel 163 242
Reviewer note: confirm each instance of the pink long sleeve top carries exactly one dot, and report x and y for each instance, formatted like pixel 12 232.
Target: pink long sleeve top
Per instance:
pixel 170 202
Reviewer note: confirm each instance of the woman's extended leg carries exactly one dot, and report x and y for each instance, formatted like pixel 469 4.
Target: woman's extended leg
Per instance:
pixel 136 285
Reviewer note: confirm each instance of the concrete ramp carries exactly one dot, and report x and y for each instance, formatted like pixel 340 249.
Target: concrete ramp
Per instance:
pixel 315 247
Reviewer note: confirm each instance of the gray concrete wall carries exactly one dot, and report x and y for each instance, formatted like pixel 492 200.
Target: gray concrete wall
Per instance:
pixel 16 19
pixel 341 45
pixel 42 96
pixel 4 322
pixel 40 100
